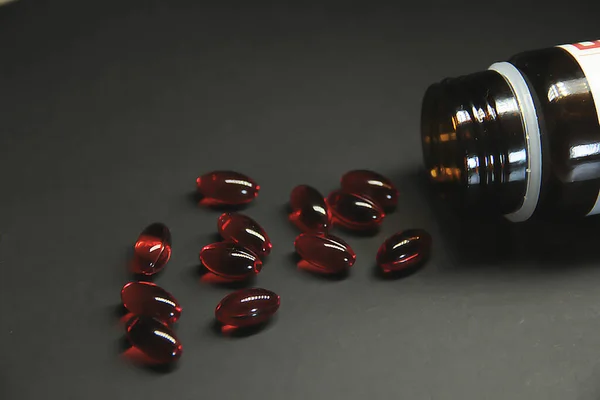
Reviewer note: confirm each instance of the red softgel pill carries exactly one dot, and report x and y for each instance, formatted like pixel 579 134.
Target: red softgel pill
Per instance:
pixel 226 188
pixel 245 232
pixel 372 185
pixel 152 249
pixel 154 339
pixel 230 261
pixel 247 307
pixel 150 300
pixel 354 211
pixel 404 250
pixel 324 253
pixel 309 213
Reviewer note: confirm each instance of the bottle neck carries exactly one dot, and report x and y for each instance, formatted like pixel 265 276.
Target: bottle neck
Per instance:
pixel 473 140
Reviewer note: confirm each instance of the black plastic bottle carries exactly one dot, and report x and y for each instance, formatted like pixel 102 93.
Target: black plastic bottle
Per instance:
pixel 522 138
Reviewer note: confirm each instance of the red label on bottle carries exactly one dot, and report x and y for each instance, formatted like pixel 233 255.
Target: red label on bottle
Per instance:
pixel 595 44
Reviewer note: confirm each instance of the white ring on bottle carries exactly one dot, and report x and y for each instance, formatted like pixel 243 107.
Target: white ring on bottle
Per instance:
pixel 533 140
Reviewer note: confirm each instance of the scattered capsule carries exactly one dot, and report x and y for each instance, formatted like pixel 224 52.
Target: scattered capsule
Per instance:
pixel 152 249
pixel 327 254
pixel 309 213
pixel 372 185
pixel 230 261
pixel 150 300
pixel 247 307
pixel 403 250
pixel 154 339
pixel 354 211
pixel 245 232
pixel 226 188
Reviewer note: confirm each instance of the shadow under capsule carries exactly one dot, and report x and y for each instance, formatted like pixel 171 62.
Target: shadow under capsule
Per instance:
pixel 141 277
pixel 381 275
pixel 231 331
pixel 128 263
pixel 285 211
pixel 205 276
pixel 311 270
pixel 118 311
pixel 364 233
pixel 136 357
pixel 196 199
pixel 214 238
pixel 120 314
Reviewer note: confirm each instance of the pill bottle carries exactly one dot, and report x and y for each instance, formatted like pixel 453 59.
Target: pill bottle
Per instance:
pixel 521 139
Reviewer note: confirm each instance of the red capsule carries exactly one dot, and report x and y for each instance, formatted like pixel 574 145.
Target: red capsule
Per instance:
pixel 309 210
pixel 353 211
pixel 404 250
pixel 154 339
pixel 247 307
pixel 150 300
pixel 152 249
pixel 226 188
pixel 327 254
pixel 372 185
pixel 245 232
pixel 230 261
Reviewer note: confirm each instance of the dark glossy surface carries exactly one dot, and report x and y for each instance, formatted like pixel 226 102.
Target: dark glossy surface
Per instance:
pixel 372 185
pixel 226 188
pixel 152 249
pixel 230 261
pixel 353 211
pixel 309 212
pixel 245 232
pixel 403 250
pixel 247 307
pixel 148 299
pixel 155 339
pixel 329 254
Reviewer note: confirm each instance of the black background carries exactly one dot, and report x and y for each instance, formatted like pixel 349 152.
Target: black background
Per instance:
pixel 109 110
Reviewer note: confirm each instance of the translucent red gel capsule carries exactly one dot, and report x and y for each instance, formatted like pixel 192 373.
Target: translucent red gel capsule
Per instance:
pixel 353 211
pixel 152 249
pixel 245 232
pixel 154 339
pixel 372 185
pixel 230 261
pixel 226 188
pixel 309 210
pixel 148 299
pixel 247 307
pixel 326 254
pixel 404 250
